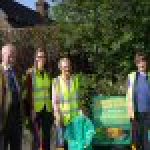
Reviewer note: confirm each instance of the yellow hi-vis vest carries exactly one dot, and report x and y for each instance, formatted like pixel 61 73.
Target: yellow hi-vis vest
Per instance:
pixel 69 105
pixel 41 91
pixel 130 91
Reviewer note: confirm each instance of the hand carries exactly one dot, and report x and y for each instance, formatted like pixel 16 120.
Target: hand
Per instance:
pixel 57 119
pixel 131 116
pixel 57 122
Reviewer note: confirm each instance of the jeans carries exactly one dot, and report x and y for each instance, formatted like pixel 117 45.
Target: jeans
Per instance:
pixel 60 136
pixel 141 131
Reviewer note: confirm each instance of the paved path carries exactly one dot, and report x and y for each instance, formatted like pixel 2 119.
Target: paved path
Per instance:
pixel 27 140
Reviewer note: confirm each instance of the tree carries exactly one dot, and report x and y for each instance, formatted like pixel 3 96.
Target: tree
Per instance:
pixel 106 31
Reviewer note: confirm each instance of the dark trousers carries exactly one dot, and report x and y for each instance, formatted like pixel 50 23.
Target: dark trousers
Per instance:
pixel 13 129
pixel 141 131
pixel 14 139
pixel 1 142
pixel 41 129
pixel 60 142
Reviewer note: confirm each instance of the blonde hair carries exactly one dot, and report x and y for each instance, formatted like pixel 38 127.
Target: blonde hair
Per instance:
pixel 64 59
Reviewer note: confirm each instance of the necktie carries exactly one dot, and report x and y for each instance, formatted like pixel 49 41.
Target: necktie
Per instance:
pixel 12 81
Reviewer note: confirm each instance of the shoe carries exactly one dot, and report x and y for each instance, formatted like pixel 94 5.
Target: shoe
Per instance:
pixel 60 148
pixel 133 147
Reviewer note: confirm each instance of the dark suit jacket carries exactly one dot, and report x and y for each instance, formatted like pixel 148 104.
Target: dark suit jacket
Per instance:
pixel 10 108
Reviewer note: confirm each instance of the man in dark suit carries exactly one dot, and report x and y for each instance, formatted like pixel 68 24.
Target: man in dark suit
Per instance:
pixel 10 103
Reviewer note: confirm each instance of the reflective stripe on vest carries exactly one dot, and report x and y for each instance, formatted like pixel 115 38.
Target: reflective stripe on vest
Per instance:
pixel 41 92
pixel 68 98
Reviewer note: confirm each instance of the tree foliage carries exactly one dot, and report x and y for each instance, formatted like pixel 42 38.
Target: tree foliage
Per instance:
pixel 108 33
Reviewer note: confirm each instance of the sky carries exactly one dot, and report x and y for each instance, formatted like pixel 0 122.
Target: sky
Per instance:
pixel 29 3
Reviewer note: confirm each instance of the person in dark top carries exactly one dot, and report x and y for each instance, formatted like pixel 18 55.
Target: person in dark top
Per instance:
pixel 11 112
pixel 138 97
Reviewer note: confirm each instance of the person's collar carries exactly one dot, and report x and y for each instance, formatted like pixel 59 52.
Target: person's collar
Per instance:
pixel 39 71
pixel 64 78
pixel 6 67
pixel 143 73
